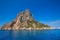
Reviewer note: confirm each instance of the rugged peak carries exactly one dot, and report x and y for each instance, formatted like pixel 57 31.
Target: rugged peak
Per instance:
pixel 23 20
pixel 27 10
pixel 25 15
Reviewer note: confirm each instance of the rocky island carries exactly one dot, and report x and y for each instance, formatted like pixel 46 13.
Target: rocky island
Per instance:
pixel 24 20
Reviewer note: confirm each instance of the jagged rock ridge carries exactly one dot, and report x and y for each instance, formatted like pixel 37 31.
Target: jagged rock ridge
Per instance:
pixel 23 20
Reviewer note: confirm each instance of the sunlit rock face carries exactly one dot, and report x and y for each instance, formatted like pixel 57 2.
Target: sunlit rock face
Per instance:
pixel 23 20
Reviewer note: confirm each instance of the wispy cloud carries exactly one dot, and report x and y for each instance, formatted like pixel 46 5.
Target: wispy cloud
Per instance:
pixel 54 23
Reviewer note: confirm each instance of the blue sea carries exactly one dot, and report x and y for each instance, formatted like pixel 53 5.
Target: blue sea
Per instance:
pixel 30 35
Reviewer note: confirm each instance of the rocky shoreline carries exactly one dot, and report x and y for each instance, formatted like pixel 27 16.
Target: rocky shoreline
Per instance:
pixel 44 28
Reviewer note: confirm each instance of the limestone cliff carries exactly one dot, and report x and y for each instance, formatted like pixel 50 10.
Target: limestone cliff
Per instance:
pixel 23 20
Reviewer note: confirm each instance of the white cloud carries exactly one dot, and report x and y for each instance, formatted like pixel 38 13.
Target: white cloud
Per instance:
pixel 54 23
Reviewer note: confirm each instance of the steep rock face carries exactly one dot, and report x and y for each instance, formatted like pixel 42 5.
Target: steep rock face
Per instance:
pixel 20 22
pixel 23 20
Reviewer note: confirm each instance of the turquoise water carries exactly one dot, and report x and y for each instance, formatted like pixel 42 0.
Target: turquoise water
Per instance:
pixel 30 35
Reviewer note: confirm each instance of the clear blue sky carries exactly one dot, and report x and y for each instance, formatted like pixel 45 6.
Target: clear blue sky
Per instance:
pixel 46 11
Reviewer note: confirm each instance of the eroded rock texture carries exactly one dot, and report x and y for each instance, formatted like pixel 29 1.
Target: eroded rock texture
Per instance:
pixel 23 20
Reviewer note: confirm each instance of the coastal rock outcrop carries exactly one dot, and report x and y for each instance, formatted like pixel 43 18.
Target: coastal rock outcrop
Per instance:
pixel 23 20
